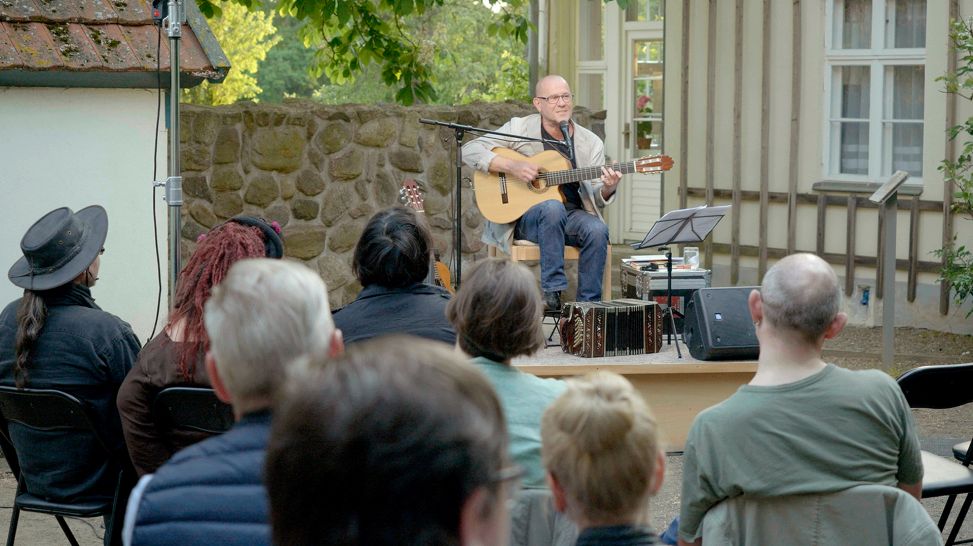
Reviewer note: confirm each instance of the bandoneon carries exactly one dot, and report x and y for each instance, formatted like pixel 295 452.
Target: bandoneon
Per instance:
pixel 611 328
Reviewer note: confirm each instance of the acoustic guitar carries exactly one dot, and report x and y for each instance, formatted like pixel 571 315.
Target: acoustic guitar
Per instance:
pixel 503 199
pixel 410 195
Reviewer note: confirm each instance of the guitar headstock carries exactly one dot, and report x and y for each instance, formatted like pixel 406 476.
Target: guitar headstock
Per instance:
pixel 653 164
pixel 410 195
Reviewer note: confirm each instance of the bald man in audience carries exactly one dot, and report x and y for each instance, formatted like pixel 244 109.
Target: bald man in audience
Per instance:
pixel 801 426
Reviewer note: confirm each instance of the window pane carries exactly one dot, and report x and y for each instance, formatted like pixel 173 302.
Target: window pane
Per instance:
pixel 591 91
pixel 648 137
pixel 645 10
pixel 854 148
pixel 854 91
pixel 907 148
pixel 907 92
pixel 591 42
pixel 853 24
pixel 905 23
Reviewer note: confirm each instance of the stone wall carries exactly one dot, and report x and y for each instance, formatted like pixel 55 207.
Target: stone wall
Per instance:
pixel 322 171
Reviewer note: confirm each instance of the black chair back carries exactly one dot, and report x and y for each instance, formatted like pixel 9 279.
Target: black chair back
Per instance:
pixel 192 408
pixel 47 409
pixel 938 387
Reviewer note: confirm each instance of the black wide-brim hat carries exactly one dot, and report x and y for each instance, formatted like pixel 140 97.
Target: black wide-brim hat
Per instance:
pixel 59 247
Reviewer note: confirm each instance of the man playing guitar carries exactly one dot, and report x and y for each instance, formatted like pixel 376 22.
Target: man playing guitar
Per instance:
pixel 552 224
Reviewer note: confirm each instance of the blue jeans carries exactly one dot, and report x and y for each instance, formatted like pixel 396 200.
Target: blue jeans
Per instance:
pixel 552 227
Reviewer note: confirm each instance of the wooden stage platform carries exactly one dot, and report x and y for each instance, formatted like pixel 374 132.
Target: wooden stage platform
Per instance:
pixel 676 389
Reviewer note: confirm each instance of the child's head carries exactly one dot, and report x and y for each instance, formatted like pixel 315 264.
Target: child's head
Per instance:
pixel 601 451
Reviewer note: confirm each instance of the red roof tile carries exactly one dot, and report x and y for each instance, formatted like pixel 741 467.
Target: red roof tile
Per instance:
pixel 96 36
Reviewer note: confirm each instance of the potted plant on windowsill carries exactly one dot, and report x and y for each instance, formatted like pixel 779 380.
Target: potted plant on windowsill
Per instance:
pixel 643 129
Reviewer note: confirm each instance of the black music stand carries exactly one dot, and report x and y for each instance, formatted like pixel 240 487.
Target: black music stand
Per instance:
pixel 677 227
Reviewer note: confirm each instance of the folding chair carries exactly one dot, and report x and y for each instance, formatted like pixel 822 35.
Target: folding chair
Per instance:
pixel 192 408
pixel 52 410
pixel 943 387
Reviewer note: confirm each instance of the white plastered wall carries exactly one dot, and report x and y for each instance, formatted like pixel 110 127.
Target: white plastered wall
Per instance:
pixel 79 147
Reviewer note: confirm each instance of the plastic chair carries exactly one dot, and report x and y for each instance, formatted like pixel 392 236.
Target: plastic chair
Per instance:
pixel 864 515
pixel 192 408
pixel 50 410
pixel 943 387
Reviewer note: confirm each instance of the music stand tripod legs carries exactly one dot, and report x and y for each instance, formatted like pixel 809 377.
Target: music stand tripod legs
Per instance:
pixel 670 312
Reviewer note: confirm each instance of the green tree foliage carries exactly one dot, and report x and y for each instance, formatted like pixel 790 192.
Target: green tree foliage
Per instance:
pixel 245 37
pixel 464 68
pixel 957 259
pixel 284 72
pixel 354 34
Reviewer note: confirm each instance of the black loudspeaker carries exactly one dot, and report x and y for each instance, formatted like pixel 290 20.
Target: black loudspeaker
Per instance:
pixel 718 325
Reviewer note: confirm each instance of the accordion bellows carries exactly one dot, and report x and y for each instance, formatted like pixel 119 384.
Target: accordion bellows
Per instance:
pixel 611 328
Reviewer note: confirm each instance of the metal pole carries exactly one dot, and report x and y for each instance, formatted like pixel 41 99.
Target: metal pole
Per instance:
pixel 174 181
pixel 889 212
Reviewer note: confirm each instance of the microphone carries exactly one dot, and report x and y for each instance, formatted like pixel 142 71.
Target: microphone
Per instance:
pixel 567 140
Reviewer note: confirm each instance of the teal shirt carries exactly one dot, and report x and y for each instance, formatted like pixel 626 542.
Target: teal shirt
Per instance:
pixel 524 398
pixel 825 433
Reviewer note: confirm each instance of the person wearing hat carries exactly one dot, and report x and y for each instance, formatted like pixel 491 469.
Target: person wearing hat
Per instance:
pixel 175 356
pixel 56 337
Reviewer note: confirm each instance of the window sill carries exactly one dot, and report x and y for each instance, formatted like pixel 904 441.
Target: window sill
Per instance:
pixel 864 187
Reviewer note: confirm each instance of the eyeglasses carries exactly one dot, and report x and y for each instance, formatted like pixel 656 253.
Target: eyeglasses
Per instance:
pixel 553 99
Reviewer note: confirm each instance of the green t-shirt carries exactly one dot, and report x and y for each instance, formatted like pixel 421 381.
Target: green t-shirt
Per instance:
pixel 524 398
pixel 827 432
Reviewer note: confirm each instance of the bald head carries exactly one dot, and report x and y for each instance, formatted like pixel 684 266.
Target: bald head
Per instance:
pixel 801 293
pixel 545 84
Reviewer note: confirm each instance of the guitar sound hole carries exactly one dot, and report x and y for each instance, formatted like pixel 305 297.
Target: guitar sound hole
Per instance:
pixel 537 185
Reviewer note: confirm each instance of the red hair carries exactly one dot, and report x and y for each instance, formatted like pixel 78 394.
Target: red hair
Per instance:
pixel 223 246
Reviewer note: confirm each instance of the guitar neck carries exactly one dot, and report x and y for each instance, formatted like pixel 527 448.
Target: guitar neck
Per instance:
pixel 556 178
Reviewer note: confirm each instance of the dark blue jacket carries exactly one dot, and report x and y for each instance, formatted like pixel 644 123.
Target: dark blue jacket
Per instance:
pixel 418 309
pixel 85 352
pixel 211 492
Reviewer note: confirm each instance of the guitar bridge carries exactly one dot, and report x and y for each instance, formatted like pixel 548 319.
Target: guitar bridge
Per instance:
pixel 504 197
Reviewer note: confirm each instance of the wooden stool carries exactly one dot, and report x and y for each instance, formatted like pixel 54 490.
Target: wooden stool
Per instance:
pixel 523 251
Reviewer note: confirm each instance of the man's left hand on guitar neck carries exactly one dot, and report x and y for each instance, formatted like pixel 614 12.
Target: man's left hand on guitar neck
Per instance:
pixel 611 178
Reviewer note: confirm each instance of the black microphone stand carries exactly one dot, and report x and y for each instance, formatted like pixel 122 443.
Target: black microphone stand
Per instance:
pixel 460 132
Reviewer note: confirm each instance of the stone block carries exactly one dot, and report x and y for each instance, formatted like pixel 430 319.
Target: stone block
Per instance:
pixel 278 213
pixel 384 190
pixel 288 187
pixel 435 204
pixel 439 176
pixel 305 209
pixel 206 125
pixel 361 188
pixel 335 204
pixel 262 190
pixel 376 133
pixel 227 204
pixel 278 149
pixel 406 160
pixel 226 178
pixel 227 149
pixel 191 230
pixel 335 271
pixel 195 186
pixel 362 210
pixel 347 166
pixel 333 137
pixel 304 242
pixel 366 114
pixel 310 183
pixel 185 126
pixel 344 237
pixel 409 134
pixel 202 212
pixel 195 157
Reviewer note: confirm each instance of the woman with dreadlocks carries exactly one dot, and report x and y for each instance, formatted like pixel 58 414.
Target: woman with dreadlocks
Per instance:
pixel 56 337
pixel 175 356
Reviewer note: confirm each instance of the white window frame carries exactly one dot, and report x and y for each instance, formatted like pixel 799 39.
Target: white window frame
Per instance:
pixel 878 59
pixel 597 67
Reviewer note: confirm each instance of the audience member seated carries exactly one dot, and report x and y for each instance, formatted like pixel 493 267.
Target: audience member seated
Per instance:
pixel 497 315
pixel 801 426
pixel 392 261
pixel 400 443
pixel 601 451
pixel 56 337
pixel 175 356
pixel 266 318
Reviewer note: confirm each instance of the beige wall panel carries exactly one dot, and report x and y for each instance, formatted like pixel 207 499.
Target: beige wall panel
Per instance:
pixel 934 136
pixel 674 100
pixel 749 223
pixel 777 226
pixel 813 110
pixel 723 103
pixel 807 236
pixel 750 114
pixel 780 102
pixel 696 172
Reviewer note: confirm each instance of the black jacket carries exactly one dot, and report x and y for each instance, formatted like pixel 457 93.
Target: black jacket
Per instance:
pixel 85 352
pixel 418 309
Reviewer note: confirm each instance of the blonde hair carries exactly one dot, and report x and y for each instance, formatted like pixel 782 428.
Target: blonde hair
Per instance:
pixel 600 441
pixel 265 317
